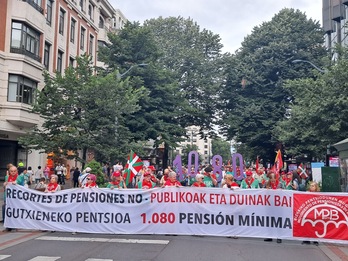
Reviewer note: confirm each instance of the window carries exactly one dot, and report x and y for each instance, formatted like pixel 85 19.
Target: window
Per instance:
pixel 101 22
pixel 49 12
pixel 91 12
pixel 72 30
pixel 71 61
pixel 25 40
pixel 82 6
pixel 82 40
pixel 21 89
pixel 60 62
pixel 61 21
pixel 91 41
pixel 47 50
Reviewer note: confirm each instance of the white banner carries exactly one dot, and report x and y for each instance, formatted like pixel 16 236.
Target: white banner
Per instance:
pixel 180 211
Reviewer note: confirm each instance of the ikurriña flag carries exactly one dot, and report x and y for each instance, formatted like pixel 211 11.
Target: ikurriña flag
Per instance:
pixel 133 166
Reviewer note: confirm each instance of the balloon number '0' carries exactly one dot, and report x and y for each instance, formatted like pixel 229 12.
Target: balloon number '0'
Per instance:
pixel 216 164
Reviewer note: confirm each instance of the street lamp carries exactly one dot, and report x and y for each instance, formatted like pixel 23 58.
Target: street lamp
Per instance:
pixel 313 65
pixel 119 76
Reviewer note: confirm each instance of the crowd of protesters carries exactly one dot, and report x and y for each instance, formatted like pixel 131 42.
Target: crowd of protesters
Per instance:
pixel 148 178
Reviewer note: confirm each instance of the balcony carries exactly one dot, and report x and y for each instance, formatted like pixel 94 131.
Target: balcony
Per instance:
pixel 35 5
pixel 19 114
pixel 26 53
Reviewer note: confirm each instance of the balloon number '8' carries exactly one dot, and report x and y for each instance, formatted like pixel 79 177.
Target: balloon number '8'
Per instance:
pixel 216 164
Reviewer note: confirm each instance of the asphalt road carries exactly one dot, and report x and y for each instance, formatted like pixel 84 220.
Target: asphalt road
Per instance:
pixel 97 247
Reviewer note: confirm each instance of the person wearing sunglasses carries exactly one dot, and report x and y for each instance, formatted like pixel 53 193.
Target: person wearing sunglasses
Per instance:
pixel 91 181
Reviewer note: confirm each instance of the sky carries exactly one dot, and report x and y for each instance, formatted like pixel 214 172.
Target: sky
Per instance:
pixel 231 19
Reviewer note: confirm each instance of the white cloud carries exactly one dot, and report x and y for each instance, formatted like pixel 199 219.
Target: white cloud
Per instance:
pixel 231 19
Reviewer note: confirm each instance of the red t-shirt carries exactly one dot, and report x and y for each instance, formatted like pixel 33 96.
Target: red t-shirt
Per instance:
pixel 169 183
pixel 196 184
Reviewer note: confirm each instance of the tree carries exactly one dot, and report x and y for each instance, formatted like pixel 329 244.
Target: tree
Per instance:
pixel 318 111
pixel 223 148
pixel 253 99
pixel 194 58
pixel 185 152
pixel 79 110
pixel 176 100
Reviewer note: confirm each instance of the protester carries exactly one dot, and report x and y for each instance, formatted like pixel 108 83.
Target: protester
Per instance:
pixel 209 178
pixel 229 182
pixel 273 183
pixel 199 181
pixel 164 177
pixel 313 187
pixel 11 178
pixel 147 183
pixel 171 181
pixel 117 181
pixel 249 182
pixel 290 182
pixel 53 186
pixel 83 176
pixel 91 181
pixel 41 185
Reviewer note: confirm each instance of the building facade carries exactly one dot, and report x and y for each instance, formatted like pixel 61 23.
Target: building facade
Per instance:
pixel 335 13
pixel 194 139
pixel 38 35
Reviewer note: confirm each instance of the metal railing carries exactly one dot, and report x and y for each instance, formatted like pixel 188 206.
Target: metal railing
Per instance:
pixel 35 5
pixel 25 52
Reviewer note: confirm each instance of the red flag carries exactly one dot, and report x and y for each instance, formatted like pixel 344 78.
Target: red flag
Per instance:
pixel 257 163
pixel 133 166
pixel 278 162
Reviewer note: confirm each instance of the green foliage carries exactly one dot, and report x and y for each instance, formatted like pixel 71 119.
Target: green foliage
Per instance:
pixel 185 152
pixel 318 111
pixel 253 108
pixel 80 110
pixel 98 171
pixel 223 148
pixel 193 56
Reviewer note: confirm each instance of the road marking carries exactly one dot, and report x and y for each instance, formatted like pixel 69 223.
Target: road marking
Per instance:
pixel 2 257
pixel 45 258
pixel 96 259
pixel 104 240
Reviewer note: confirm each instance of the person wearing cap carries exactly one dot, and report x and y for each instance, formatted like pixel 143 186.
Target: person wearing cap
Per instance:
pixel 152 170
pixel 199 181
pixel 290 183
pixel 209 178
pixel 171 181
pixel 116 181
pixel 91 181
pixel 249 182
pixel 83 177
pixel 147 183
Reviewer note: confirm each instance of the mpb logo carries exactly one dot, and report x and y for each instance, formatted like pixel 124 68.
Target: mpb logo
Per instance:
pixel 320 216
pixel 326 214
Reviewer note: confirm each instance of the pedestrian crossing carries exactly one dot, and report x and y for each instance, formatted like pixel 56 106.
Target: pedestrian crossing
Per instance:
pixel 104 240
pixel 52 258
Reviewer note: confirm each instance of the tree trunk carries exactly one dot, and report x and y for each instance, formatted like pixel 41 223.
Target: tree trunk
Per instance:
pixel 165 156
